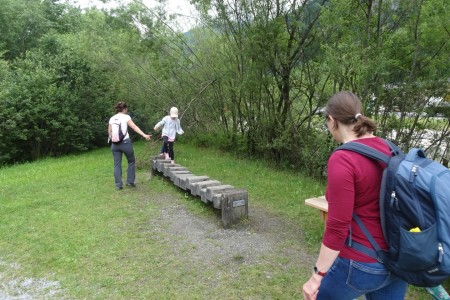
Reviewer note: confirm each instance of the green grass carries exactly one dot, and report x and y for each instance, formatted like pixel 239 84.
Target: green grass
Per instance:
pixel 281 192
pixel 62 220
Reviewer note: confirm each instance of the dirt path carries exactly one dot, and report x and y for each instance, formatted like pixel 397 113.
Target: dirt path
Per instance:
pixel 260 236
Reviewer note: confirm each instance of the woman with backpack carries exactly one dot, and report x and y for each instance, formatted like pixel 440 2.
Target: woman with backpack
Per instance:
pixel 121 144
pixel 354 181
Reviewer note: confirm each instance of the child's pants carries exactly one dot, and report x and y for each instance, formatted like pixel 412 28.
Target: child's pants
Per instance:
pixel 168 147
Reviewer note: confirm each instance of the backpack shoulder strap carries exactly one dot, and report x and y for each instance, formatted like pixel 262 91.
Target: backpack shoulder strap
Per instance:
pixel 120 127
pixel 376 253
pixel 371 152
pixel 126 129
pixel 395 150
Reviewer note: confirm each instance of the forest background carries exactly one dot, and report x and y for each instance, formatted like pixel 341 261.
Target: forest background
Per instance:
pixel 250 78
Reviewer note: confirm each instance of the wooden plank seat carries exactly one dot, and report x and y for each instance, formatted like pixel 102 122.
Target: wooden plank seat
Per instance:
pixel 321 204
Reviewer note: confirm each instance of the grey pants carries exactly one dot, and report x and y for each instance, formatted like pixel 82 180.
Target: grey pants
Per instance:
pixel 117 150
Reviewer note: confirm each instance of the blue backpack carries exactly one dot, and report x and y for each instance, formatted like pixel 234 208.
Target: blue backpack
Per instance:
pixel 415 215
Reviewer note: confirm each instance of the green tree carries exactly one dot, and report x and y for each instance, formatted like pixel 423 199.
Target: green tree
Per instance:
pixel 53 104
pixel 269 85
pixel 394 55
pixel 280 61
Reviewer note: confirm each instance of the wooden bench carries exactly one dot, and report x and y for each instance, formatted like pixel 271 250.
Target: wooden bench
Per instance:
pixel 232 202
pixel 321 204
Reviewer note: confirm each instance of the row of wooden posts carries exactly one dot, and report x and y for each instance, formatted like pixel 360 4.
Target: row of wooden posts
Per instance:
pixel 232 202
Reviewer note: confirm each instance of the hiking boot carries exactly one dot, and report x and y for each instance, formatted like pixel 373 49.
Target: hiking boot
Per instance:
pixel 131 185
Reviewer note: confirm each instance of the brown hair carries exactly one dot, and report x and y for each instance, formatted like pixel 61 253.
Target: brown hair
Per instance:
pixel 121 106
pixel 346 108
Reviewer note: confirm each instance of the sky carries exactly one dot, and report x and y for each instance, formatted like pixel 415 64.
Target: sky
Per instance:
pixel 185 12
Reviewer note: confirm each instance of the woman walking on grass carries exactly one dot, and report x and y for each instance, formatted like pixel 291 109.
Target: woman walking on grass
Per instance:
pixel 354 183
pixel 124 146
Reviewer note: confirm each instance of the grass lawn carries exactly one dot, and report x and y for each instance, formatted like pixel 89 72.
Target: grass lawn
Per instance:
pixel 66 233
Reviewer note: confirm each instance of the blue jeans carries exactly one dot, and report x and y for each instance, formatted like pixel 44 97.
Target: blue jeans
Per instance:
pixel 349 279
pixel 117 150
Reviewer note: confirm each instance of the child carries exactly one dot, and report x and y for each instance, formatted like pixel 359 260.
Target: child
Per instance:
pixel 171 127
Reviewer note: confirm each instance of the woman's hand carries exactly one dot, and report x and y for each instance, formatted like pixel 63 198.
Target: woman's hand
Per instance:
pixel 311 287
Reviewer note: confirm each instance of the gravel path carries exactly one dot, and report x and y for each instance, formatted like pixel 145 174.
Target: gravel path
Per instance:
pixel 261 235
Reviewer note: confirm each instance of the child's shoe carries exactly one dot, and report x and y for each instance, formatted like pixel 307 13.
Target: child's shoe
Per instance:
pixel 167 155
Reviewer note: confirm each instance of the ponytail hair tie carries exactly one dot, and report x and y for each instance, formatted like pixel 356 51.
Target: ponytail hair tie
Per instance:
pixel 357 116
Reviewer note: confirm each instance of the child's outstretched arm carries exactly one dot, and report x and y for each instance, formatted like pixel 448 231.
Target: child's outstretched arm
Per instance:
pixel 158 125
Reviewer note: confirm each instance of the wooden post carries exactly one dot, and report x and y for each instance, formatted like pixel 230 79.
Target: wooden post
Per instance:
pixel 234 206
